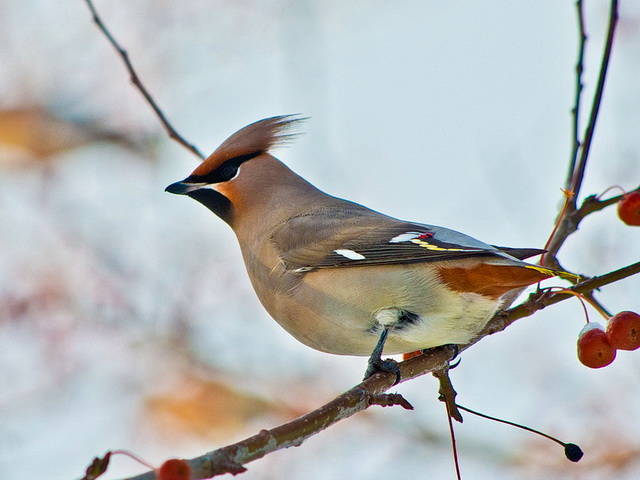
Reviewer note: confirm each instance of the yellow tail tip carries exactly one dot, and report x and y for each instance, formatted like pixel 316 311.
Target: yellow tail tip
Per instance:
pixel 572 277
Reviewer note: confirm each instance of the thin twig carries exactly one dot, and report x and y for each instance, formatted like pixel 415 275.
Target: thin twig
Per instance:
pixel 513 424
pixel 454 445
pixel 390 400
pixel 570 222
pixel 593 204
pixel 539 300
pixel 595 303
pixel 572 451
pixel 135 80
pixel 230 459
pixel 294 433
pixel 567 221
pixel 578 174
pixel 447 393
pixel 575 111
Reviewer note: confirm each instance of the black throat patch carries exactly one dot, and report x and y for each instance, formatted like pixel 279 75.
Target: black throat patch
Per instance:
pixel 214 201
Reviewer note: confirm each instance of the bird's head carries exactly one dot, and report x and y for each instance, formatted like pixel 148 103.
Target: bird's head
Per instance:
pixel 209 182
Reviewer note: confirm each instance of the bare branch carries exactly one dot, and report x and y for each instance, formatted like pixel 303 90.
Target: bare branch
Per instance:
pixel 454 444
pixel 595 303
pixel 568 226
pixel 539 300
pixel 567 221
pixel 135 80
pixel 367 393
pixel 575 111
pixel 578 174
pixel 447 393
pixel 230 459
pixel 390 400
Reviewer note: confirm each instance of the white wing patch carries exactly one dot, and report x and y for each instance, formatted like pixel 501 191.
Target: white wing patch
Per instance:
pixel 404 237
pixel 303 269
pixel 350 254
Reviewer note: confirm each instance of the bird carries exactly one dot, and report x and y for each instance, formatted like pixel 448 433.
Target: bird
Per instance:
pixel 343 278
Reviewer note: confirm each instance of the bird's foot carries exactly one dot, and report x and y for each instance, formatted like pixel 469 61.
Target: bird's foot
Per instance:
pixel 376 365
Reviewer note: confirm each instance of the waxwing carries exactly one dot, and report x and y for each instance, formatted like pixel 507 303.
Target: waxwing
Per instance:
pixel 345 279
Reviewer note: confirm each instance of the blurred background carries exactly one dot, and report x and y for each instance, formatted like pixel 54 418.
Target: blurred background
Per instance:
pixel 126 318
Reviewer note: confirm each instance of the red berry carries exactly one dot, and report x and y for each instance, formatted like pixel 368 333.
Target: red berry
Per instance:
pixel 623 331
pixel 594 350
pixel 174 469
pixel 629 208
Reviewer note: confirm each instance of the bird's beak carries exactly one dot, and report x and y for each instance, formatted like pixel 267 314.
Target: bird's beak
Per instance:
pixel 182 187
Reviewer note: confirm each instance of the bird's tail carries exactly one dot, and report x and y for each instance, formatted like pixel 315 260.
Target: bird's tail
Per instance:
pixel 572 277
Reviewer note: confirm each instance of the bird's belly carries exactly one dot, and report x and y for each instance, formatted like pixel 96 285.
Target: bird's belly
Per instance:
pixel 343 310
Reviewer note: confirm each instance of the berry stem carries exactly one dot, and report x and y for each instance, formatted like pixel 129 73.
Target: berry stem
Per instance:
pixel 608 189
pixel 133 456
pixel 598 307
pixel 513 424
pixel 453 442
pixel 580 297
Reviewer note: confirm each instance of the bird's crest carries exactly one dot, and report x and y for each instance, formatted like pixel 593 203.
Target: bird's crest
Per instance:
pixel 251 141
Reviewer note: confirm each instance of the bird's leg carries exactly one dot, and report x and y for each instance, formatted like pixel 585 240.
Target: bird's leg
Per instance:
pixel 377 364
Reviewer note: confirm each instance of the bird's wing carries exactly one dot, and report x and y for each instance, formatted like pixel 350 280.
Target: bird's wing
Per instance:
pixel 351 235
pixel 521 253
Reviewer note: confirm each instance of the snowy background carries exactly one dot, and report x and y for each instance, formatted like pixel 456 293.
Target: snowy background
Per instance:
pixel 126 318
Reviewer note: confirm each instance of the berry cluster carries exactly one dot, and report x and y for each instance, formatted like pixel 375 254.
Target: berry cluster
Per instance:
pixel 597 347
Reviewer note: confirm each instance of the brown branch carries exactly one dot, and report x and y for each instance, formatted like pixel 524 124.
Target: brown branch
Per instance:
pixel 570 222
pixel 135 80
pixel 578 174
pixel 567 221
pixel 230 459
pixel 575 111
pixel 539 300
pixel 360 397
pixel 595 303
pixel 390 400
pixel 454 444
pixel 447 393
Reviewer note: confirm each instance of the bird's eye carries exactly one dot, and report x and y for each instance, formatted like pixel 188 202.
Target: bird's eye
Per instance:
pixel 226 171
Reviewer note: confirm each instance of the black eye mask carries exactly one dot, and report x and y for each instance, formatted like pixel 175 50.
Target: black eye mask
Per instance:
pixel 224 172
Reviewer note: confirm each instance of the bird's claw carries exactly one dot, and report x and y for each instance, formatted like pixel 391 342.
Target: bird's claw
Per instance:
pixel 379 365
